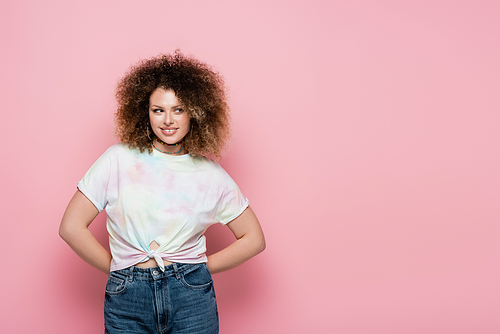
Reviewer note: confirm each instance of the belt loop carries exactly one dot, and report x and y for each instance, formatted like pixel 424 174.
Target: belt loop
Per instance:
pixel 176 270
pixel 131 274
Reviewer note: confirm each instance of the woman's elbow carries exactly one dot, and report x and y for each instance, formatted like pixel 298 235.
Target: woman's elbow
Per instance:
pixel 66 231
pixel 261 245
pixel 63 232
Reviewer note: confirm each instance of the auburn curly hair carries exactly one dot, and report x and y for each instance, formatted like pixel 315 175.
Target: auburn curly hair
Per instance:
pixel 198 88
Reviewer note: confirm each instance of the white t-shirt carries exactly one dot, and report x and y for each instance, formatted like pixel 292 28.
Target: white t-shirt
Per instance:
pixel 158 197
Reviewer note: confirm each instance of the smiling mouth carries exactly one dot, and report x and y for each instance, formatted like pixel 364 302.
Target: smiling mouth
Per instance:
pixel 169 130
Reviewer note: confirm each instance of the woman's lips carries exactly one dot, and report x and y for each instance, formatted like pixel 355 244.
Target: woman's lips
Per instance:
pixel 169 132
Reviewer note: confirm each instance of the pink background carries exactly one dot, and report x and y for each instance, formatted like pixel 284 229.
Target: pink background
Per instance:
pixel 366 136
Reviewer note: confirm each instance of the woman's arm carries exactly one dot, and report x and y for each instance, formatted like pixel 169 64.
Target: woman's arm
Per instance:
pixel 74 230
pixel 249 242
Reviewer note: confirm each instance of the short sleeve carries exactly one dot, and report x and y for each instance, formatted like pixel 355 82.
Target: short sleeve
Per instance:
pixel 232 202
pixel 95 182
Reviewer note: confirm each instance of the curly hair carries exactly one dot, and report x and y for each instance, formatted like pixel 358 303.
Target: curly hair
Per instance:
pixel 198 88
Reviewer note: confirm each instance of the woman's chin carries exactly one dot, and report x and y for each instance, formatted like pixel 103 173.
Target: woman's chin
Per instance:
pixel 170 139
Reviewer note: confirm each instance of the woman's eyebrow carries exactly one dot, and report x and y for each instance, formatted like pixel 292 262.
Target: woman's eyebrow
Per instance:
pixel 179 106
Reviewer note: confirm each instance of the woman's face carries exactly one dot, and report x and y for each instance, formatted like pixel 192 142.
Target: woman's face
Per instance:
pixel 169 120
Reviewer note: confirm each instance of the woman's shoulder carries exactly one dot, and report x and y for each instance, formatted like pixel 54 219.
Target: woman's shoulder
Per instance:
pixel 216 169
pixel 118 151
pixel 123 149
pixel 206 163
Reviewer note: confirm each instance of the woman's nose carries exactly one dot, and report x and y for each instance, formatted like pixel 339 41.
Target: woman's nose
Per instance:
pixel 169 119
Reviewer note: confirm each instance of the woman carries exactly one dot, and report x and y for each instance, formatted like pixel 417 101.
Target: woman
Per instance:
pixel 161 193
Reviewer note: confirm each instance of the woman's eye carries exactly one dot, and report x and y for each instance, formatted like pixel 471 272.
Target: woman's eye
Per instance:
pixel 157 110
pixel 178 110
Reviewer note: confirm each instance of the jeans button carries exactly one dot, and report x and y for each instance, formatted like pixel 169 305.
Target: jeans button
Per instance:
pixel 155 272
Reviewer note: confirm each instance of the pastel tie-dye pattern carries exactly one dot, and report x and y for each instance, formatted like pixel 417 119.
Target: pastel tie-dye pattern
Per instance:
pixel 156 197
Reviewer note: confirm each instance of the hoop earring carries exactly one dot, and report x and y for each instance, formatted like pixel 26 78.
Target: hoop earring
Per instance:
pixel 147 129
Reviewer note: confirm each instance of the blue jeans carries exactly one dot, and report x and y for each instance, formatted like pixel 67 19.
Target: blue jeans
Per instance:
pixel 145 300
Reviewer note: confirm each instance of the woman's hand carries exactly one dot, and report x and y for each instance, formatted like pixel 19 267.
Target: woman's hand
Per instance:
pixel 74 230
pixel 249 242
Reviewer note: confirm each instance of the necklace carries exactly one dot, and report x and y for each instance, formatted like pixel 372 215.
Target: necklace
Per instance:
pixel 179 151
pixel 163 143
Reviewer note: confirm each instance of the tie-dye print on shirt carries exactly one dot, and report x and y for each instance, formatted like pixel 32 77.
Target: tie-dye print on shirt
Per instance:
pixel 156 197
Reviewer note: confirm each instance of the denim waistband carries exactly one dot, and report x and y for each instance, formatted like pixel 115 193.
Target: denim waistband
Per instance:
pixel 154 273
